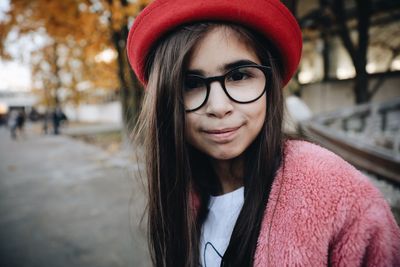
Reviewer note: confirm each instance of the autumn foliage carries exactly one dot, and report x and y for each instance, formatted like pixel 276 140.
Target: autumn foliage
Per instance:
pixel 84 48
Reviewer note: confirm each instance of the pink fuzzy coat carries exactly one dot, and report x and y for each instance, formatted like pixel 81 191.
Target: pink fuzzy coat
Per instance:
pixel 322 211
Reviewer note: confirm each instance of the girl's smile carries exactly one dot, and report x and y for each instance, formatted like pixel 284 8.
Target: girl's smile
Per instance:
pixel 222 128
pixel 224 135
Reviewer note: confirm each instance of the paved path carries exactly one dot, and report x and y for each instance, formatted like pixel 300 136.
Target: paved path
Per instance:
pixel 67 203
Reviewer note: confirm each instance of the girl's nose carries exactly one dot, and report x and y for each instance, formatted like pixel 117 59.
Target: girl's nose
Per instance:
pixel 218 103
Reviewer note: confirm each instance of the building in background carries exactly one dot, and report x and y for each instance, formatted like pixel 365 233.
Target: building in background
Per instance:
pixel 327 75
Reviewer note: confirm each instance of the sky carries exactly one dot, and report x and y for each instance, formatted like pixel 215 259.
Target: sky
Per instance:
pixel 4 6
pixel 14 75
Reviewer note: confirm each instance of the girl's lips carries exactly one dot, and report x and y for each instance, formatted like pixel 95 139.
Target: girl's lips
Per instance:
pixel 222 135
pixel 226 130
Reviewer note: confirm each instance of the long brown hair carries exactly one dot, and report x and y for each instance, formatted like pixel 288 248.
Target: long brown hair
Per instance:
pixel 176 171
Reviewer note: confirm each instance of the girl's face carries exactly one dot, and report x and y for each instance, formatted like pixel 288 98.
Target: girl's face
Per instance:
pixel 222 128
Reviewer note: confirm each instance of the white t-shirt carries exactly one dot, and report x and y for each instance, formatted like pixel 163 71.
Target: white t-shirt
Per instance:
pixel 218 226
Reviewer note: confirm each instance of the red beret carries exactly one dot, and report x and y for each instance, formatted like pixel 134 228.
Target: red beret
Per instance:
pixel 269 17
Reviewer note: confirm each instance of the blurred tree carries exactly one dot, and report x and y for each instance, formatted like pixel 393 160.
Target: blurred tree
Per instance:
pixel 357 50
pixel 79 32
pixel 291 5
pixel 294 85
pixel 131 93
pixel 359 25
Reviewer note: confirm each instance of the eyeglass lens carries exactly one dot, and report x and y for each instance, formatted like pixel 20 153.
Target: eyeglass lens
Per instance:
pixel 243 84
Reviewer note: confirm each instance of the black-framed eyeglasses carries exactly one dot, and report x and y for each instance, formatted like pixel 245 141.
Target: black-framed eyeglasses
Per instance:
pixel 243 84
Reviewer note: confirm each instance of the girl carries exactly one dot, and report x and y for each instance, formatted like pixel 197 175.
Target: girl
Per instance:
pixel 225 187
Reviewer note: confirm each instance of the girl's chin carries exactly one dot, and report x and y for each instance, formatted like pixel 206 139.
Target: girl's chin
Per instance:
pixel 224 154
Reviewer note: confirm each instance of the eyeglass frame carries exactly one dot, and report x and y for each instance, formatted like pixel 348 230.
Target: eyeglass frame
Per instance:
pixel 221 79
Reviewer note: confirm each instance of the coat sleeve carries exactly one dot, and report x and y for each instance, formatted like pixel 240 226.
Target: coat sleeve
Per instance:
pixel 369 236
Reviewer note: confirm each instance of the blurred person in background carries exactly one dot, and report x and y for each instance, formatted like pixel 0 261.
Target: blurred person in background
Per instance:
pixel 45 125
pixel 12 123
pixel 21 118
pixel 58 117
pixel 16 123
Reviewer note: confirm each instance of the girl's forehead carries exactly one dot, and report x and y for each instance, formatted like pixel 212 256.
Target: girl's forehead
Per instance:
pixel 220 46
pixel 227 33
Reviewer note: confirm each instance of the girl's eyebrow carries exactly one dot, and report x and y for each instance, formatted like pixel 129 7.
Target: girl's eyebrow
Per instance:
pixel 224 68
pixel 238 63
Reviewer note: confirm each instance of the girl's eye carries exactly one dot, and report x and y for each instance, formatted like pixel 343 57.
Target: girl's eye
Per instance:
pixel 193 83
pixel 237 75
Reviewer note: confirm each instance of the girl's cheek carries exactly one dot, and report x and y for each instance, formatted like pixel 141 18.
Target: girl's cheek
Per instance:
pixel 189 128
